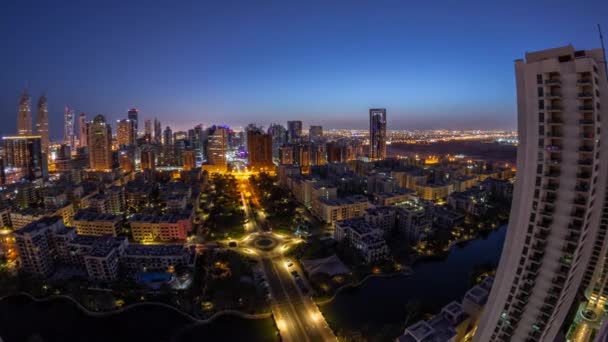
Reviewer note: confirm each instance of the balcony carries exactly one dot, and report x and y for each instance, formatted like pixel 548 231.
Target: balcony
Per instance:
pixel 584 81
pixel 553 108
pixel 580 201
pixel 554 134
pixel 551 187
pixel 555 121
pixel 545 223
pixel 542 235
pixel 583 175
pixel 539 245
pixel 582 188
pixel 553 81
pixel 569 248
pixel 585 94
pixel 553 174
pixel 549 300
pixel 562 271
pixel 587 135
pixel 537 257
pixel 572 237
pixel 585 108
pixel 585 162
pixel 585 148
pixel 558 281
pixel 550 198
pixel 578 213
pixel 586 122
pixel 554 148
pixel 553 94
pixel 546 309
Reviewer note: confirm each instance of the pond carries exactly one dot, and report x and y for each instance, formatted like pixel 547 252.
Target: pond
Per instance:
pixel 22 319
pixel 382 301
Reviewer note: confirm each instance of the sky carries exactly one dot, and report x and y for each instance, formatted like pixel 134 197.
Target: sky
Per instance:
pixel 432 64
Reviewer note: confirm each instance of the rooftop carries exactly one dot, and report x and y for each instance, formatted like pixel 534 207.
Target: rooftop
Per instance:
pixel 39 225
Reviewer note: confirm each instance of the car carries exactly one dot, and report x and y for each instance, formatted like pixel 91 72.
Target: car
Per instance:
pixel 232 244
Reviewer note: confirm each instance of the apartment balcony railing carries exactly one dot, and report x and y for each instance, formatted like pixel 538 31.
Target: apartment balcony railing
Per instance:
pixel 553 94
pixel 586 122
pixel 585 108
pixel 585 162
pixel 584 81
pixel 580 201
pixel 554 134
pixel 583 175
pixel 553 108
pixel 555 121
pixel 585 94
pixel 551 187
pixel 553 81
pixel 587 135
pixel 553 174
pixel 586 149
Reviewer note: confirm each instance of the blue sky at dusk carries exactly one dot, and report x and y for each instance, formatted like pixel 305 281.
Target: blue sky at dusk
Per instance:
pixel 432 64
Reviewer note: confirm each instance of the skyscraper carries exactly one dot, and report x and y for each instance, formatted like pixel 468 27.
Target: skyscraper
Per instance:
pixel 168 136
pixel 42 123
pixel 294 131
pixel 377 133
pixel 259 148
pixel 100 144
pixel 133 115
pixel 157 131
pixel 315 133
pixel 24 115
pixel 188 159
pixel 148 130
pixel 25 153
pixel 216 147
pixel 68 126
pixel 125 132
pixel 555 244
pixel 83 130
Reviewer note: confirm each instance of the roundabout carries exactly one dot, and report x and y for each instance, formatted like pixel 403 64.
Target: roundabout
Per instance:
pixel 265 243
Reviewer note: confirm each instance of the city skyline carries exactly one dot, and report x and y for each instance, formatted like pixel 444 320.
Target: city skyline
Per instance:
pixel 266 75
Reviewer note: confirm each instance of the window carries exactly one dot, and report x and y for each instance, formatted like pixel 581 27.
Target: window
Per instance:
pixel 541 104
pixel 540 92
pixel 539 79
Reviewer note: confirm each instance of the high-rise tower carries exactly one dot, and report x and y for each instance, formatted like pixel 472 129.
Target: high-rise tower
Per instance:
pixel 555 244
pixel 100 144
pixel 259 149
pixel 24 115
pixel 158 132
pixel 83 130
pixel 68 126
pixel 133 115
pixel 42 123
pixel 125 132
pixel 377 133
pixel 294 131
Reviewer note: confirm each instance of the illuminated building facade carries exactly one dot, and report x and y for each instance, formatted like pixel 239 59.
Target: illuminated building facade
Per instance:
pixel 42 123
pixel 259 148
pixel 83 130
pixel 216 148
pixel 133 116
pixel 25 153
pixel 315 134
pixel 555 244
pixel 377 133
pixel 68 126
pixel 126 132
pixel 100 144
pixel 294 131
pixel 24 115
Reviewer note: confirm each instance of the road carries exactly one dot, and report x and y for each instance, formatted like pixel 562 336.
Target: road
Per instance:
pixel 297 317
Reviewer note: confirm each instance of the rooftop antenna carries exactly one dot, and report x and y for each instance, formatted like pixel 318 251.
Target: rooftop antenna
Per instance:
pixel 599 28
